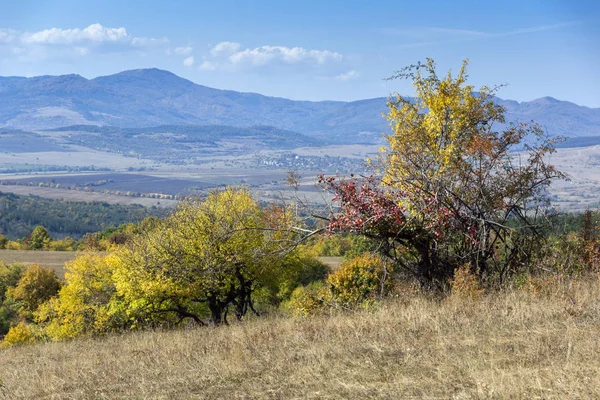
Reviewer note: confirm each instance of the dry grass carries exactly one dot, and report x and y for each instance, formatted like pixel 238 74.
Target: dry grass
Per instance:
pixel 53 259
pixel 507 345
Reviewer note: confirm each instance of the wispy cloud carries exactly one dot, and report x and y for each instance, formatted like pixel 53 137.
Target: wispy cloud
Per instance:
pixel 431 36
pixel 188 62
pixel 431 32
pixel 534 29
pixel 208 66
pixel 183 51
pixel 346 76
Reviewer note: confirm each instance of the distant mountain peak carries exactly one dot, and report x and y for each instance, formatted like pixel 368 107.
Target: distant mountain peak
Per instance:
pixel 145 73
pixel 151 97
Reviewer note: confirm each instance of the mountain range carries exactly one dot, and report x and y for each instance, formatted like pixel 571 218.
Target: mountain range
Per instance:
pixel 151 97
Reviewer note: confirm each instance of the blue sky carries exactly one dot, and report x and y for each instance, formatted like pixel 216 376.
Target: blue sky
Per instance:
pixel 313 50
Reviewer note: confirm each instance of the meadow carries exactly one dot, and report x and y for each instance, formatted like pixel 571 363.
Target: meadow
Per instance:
pixel 539 341
pixel 53 259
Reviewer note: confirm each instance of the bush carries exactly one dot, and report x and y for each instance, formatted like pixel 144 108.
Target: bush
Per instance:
pixel 465 284
pixel 18 335
pixel 359 279
pixel 36 286
pixel 308 300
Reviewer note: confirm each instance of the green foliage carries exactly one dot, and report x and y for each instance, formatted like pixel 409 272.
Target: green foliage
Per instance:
pixel 299 268
pixel 308 300
pixel 343 245
pixel 20 214
pixel 3 241
pixel 39 239
pixel 357 282
pixel 9 277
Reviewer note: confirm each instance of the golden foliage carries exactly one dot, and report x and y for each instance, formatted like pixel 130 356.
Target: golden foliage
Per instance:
pixel 20 334
pixel 359 279
pixel 37 285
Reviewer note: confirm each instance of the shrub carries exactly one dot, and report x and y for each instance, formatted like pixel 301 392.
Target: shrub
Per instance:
pixel 18 335
pixel 359 279
pixel 36 286
pixel 308 300
pixel 465 284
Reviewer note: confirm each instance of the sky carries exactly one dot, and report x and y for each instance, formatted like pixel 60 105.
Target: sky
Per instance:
pixel 313 50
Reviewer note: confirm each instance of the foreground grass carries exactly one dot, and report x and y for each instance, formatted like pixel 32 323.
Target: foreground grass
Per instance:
pixel 508 345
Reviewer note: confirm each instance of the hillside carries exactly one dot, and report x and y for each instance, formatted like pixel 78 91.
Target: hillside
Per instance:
pixel 20 214
pixel 512 344
pixel 152 97
pixel 184 143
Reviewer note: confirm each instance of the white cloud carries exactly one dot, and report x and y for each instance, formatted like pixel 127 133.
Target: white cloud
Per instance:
pixel 60 43
pixel 93 33
pixel 183 51
pixel 148 42
pixel 225 48
pixel 231 54
pixel 188 62
pixel 208 66
pixel 290 55
pixel 346 76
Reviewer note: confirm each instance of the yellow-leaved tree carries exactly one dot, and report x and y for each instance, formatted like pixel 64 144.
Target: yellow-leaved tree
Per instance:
pixel 87 303
pixel 457 184
pixel 205 260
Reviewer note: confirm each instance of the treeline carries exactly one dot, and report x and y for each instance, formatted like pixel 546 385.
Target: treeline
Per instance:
pixel 95 187
pixel 19 215
pixel 50 168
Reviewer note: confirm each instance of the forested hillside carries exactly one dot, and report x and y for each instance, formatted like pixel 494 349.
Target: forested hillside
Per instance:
pixel 20 214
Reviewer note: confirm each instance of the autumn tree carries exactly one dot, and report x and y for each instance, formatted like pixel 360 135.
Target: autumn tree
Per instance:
pixel 37 285
pixel 456 184
pixel 207 258
pixel 87 303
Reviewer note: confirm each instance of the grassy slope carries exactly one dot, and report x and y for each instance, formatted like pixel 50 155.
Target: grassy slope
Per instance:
pixel 508 345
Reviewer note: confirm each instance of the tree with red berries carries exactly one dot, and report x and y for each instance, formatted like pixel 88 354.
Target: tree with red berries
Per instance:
pixel 455 186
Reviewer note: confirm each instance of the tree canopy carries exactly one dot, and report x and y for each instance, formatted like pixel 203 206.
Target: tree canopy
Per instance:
pixel 456 184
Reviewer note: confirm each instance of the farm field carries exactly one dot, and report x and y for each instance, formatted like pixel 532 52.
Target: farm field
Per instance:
pixel 53 259
pixel 123 182
pixel 580 192
pixel 75 195
pixel 75 156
